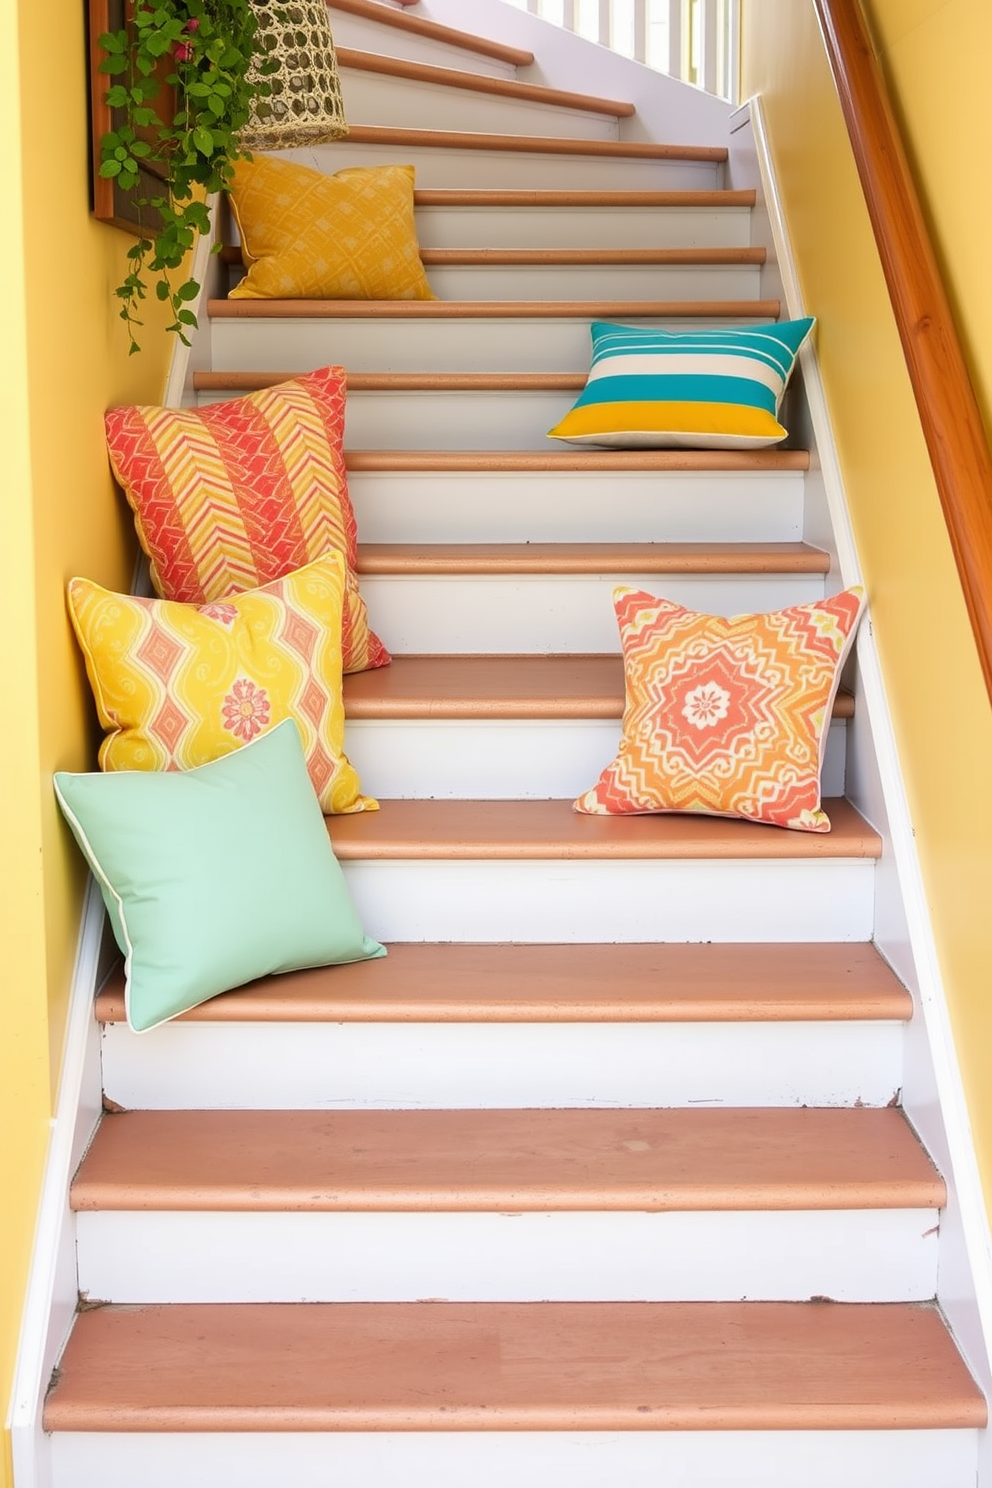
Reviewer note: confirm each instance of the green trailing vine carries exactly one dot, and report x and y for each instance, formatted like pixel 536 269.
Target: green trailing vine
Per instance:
pixel 201 49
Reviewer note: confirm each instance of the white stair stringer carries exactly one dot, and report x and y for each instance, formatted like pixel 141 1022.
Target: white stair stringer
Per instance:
pixel 871 1255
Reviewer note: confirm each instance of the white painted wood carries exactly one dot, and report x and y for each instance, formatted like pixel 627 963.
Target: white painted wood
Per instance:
pixel 594 282
pixel 483 1066
pixel 666 109
pixel 578 506
pixel 529 1459
pixel 584 227
pixel 382 344
pixel 52 1289
pixel 207 272
pixel 449 420
pixel 933 1092
pixel 501 759
pixel 389 41
pixel 887 1255
pixel 401 103
pixel 623 900
pixel 565 614
pixel 517 169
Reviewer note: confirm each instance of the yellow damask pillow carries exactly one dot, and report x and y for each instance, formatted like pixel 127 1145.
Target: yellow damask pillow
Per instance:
pixel 179 685
pixel 308 236
pixel 726 717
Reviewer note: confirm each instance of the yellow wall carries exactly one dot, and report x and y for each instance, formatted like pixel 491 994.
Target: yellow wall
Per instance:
pixel 64 360
pixel 938 51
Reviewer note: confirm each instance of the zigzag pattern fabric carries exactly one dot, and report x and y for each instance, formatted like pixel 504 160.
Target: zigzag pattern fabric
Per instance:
pixel 179 685
pixel 699 389
pixel 230 497
pixel 726 716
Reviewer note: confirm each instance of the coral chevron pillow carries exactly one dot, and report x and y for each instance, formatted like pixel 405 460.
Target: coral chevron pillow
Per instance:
pixel 232 496
pixel 699 389
pixel 309 236
pixel 179 685
pixel 726 717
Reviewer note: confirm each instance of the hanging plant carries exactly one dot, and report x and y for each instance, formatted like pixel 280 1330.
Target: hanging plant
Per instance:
pixel 181 95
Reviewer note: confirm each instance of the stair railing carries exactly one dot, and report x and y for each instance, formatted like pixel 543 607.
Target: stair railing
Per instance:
pixel 695 40
pixel 949 412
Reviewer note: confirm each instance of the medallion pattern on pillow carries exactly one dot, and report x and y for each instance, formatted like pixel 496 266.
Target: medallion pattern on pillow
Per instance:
pixel 179 685
pixel 726 716
pixel 230 497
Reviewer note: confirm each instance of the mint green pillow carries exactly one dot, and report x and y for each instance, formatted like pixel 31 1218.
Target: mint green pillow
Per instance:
pixel 214 876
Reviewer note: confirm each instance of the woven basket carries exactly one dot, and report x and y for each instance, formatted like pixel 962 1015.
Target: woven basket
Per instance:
pixel 303 105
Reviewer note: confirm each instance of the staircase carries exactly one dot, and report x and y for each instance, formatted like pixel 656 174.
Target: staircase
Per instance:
pixel 601 1176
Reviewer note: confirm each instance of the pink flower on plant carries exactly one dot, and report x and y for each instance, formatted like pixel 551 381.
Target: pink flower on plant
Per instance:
pixel 246 710
pixel 192 24
pixel 183 52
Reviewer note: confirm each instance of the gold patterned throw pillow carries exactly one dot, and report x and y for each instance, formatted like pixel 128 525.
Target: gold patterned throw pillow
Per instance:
pixel 178 685
pixel 726 717
pixel 309 236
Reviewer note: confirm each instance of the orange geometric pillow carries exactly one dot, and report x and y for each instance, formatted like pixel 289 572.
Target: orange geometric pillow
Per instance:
pixel 726 717
pixel 230 497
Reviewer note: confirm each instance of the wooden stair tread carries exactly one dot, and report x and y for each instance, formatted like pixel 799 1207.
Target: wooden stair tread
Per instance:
pixel 599 983
pixel 456 139
pixel 552 831
pixel 361 382
pixel 355 60
pixel 413 25
pixel 444 1366
pixel 430 310
pixel 498 687
pixel 589 558
pixel 499 197
pixel 575 459
pixel 521 1160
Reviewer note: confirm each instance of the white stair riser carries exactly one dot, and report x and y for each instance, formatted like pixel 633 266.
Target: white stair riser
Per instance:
pixel 596 282
pixel 577 506
pixel 364 35
pixel 593 281
pixel 491 1066
pixel 886 1255
pixel 461 420
pixel 451 420
pixel 527 1459
pixel 504 759
pixel 381 344
pixel 400 103
pixel 562 614
pixel 584 227
pixel 619 900
pixel 516 170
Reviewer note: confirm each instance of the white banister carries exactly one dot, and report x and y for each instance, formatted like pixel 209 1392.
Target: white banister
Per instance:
pixel 695 40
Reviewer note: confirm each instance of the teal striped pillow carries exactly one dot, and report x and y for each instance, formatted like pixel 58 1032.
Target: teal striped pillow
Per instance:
pixel 706 389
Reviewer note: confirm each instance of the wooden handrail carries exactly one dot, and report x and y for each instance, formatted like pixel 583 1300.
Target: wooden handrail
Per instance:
pixel 949 412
